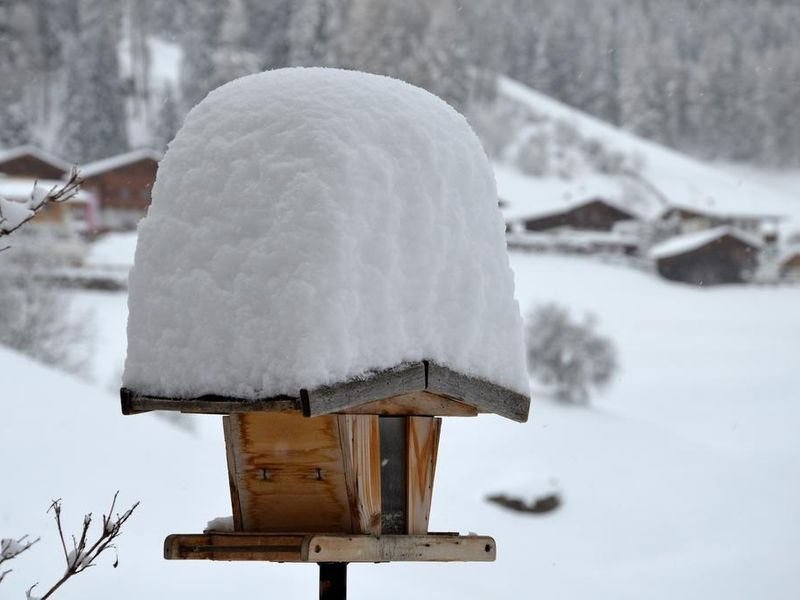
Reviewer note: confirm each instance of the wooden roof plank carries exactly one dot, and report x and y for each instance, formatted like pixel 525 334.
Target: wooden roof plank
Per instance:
pixel 483 395
pixel 402 379
pixel 374 392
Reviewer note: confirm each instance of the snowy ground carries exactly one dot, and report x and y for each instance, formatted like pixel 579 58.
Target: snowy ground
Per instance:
pixel 680 482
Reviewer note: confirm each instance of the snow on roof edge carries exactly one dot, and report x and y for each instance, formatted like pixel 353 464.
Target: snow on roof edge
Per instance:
pixel 35 151
pixel 118 160
pixel 692 241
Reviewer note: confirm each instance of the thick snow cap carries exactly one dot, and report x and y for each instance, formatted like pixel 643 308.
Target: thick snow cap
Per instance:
pixel 309 226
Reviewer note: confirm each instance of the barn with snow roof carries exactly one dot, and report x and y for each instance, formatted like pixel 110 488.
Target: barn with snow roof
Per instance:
pixel 316 285
pixel 594 214
pixel 123 185
pixel 789 265
pixel 714 256
pixel 32 162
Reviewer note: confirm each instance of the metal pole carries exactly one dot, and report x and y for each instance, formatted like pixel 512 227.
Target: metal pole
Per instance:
pixel 332 581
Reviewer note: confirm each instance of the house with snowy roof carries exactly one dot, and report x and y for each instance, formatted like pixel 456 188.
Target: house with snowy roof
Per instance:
pixel 708 257
pixel 31 161
pixel 789 265
pixel 690 218
pixel 122 184
pixel 662 192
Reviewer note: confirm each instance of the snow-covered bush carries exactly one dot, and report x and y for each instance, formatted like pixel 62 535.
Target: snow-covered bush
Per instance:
pixel 497 123
pixel 36 318
pixel 533 156
pixel 568 355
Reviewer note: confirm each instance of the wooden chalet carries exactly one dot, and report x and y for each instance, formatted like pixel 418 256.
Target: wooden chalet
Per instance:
pixel 596 214
pixel 689 219
pixel 32 162
pixel 122 185
pixel 789 266
pixel 720 255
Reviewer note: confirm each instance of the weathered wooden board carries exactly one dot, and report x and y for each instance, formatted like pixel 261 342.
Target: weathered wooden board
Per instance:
pixel 388 548
pixel 399 380
pixel 424 388
pixel 423 445
pixel 135 403
pixel 230 455
pixel 416 403
pixel 485 396
pixel 234 546
pixel 289 473
pixel 329 548
pixel 360 442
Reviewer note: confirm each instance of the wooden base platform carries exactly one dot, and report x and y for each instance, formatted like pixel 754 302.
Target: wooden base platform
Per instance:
pixel 328 548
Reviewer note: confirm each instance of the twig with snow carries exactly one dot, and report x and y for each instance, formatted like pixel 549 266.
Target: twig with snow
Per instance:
pixel 38 200
pixel 84 553
pixel 11 548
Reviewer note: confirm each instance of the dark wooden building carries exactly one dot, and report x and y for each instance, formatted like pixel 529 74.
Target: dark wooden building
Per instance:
pixel 122 185
pixel 29 161
pixel 790 266
pixel 720 255
pixel 593 215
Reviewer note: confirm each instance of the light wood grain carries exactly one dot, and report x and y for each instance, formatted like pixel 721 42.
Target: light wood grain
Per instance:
pixel 289 473
pixel 329 547
pixel 360 442
pixel 401 548
pixel 416 403
pixel 423 446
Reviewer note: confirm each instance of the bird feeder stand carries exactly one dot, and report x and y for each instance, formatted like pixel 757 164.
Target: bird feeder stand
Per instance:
pixel 338 474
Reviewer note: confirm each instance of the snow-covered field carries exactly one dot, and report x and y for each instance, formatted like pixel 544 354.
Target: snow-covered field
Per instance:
pixel 681 481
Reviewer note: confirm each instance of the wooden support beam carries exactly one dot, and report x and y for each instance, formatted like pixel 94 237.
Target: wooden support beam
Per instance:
pixel 359 437
pixel 332 581
pixel 316 548
pixel 235 546
pixel 399 548
pixel 423 445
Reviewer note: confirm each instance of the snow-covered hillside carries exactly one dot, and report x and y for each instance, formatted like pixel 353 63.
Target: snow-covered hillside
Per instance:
pixel 582 158
pixel 680 481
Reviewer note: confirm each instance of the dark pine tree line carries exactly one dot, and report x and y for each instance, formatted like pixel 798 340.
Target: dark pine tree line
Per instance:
pixel 717 79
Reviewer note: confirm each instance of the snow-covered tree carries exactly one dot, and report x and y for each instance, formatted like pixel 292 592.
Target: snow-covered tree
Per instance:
pixel 94 121
pixel 568 355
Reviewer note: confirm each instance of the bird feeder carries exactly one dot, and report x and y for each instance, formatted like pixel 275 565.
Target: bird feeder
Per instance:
pixel 337 466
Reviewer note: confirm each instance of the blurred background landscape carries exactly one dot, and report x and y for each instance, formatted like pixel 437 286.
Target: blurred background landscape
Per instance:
pixel 647 157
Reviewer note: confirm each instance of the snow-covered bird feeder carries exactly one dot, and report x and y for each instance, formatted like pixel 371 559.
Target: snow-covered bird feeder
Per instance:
pixel 324 263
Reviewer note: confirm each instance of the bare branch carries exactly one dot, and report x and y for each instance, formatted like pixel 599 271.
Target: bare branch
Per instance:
pixel 57 194
pixel 84 554
pixel 11 548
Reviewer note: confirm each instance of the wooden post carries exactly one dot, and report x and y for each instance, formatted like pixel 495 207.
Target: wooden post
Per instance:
pixel 332 581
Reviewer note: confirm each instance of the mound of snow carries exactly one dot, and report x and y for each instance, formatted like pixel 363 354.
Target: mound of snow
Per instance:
pixel 311 225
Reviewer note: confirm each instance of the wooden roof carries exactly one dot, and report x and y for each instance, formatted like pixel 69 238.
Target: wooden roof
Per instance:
pixel 421 388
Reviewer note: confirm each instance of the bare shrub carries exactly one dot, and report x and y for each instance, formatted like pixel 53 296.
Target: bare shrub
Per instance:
pixel 36 318
pixel 568 355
